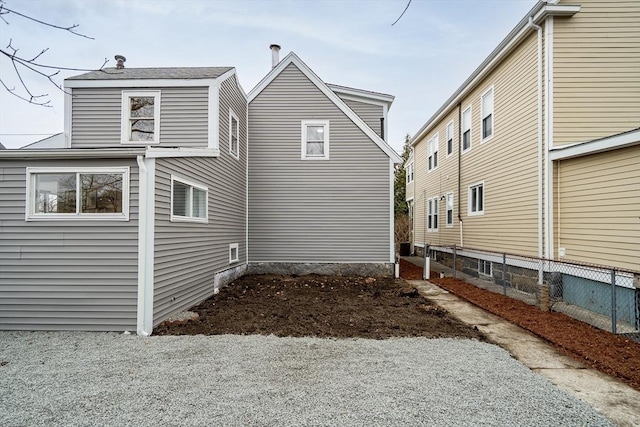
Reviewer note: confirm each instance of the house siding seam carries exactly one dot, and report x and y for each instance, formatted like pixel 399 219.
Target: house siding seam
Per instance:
pixel 596 71
pixel 96 117
pixel 303 210
pixel 66 275
pixel 188 255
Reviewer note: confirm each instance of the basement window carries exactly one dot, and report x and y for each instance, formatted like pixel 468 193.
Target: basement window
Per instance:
pixel 140 122
pixel 233 253
pixel 484 268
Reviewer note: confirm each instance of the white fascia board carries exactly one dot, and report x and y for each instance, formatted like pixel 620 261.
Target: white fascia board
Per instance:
pixel 614 142
pixel 68 100
pixel 72 153
pixel 157 153
pixel 141 83
pixel 362 94
pixel 292 58
pixel 229 74
pixel 356 98
pixel 539 12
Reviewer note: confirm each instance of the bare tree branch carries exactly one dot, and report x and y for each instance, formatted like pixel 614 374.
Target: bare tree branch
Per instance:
pixel 402 14
pixel 4 10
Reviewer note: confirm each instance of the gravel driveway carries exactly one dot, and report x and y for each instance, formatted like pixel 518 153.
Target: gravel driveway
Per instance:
pixel 61 378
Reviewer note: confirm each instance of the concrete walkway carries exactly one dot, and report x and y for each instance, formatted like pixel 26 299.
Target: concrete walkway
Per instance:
pixel 612 398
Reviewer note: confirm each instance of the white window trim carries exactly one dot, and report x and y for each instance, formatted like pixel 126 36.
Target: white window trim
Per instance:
pixel 435 140
pixel 484 198
pixel 470 129
pixel 179 218
pixel 125 112
pixel 493 115
pixel 446 209
pixel 237 258
pixel 453 138
pixel 30 215
pixel 409 172
pixel 483 274
pixel 233 116
pixel 437 211
pixel 303 143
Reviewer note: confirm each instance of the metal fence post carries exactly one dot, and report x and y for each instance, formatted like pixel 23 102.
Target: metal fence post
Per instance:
pixel 504 274
pixel 454 261
pixel 427 267
pixel 614 313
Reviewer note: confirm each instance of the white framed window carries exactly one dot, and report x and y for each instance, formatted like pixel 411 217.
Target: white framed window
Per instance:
pixel 315 140
pixel 77 193
pixel 410 208
pixel 466 129
pixel 486 112
pixel 409 172
pixel 476 199
pixel 450 138
pixel 449 202
pixel 432 214
pixel 233 253
pixel 140 122
pixel 432 147
pixel 485 268
pixel 189 201
pixel 234 134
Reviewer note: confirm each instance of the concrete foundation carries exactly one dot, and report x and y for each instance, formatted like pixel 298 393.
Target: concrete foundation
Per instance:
pixel 339 269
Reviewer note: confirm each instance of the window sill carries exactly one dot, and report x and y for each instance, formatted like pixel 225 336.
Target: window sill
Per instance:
pixel 77 217
pixel 189 219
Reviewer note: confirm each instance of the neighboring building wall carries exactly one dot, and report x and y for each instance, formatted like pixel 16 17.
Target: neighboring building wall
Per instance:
pixel 596 71
pixel 66 275
pixel 96 117
pixel 189 254
pixel 506 163
pixel 370 113
pixel 335 210
pixel 599 204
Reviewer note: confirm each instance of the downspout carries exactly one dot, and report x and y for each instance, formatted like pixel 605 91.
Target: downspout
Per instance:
pixel 460 171
pixel 540 143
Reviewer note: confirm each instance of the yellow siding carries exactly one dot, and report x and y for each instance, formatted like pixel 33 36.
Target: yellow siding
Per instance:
pixel 596 71
pixel 599 208
pixel 507 163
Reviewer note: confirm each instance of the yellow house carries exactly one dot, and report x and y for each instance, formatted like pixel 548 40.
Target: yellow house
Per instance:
pixel 538 152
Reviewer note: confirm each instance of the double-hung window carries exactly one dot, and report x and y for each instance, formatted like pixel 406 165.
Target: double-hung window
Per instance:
pixel 140 122
pixel 432 214
pixel 487 114
pixel 450 138
pixel 188 201
pixel 78 193
pixel 432 147
pixel 476 199
pixel 449 200
pixel 466 129
pixel 409 172
pixel 315 140
pixel 234 132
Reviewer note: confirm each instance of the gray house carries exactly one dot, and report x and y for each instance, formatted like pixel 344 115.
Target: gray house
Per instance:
pixel 172 184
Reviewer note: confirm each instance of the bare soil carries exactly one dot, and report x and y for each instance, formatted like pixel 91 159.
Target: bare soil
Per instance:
pixel 613 354
pixel 321 306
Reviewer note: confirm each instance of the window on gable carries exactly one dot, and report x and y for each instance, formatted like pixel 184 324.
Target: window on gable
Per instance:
pixel 432 161
pixel 487 114
pixel 140 117
pixel 476 199
pixel 315 140
pixel 432 214
pixel 188 201
pixel 449 199
pixel 65 193
pixel 234 132
pixel 450 138
pixel 466 129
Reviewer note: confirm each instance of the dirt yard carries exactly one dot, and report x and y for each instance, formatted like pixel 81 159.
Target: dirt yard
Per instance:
pixel 321 306
pixel 602 350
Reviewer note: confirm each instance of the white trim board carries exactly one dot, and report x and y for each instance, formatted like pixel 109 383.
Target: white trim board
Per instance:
pixel 292 58
pixel 614 142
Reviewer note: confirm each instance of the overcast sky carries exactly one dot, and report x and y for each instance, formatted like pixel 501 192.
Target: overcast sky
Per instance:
pixel 421 60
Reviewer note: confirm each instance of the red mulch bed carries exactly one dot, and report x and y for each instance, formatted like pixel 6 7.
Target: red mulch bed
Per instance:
pixel 599 349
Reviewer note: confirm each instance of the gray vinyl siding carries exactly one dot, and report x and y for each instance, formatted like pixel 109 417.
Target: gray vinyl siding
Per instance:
pixel 333 210
pixel 188 254
pixel 370 113
pixel 96 117
pixel 65 275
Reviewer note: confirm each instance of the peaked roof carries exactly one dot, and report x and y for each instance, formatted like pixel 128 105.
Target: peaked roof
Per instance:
pixel 153 73
pixel 292 58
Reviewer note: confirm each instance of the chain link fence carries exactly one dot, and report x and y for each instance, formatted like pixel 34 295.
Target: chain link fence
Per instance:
pixel 605 297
